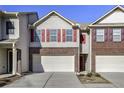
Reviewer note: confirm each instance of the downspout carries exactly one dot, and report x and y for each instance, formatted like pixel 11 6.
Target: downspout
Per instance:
pixel 79 51
pixel 90 63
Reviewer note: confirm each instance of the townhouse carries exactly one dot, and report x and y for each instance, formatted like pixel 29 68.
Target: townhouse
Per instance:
pixel 54 43
pixel 14 41
pixel 107 42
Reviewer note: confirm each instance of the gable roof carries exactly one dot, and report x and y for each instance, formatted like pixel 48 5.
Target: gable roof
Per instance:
pixel 17 13
pixel 51 13
pixel 107 14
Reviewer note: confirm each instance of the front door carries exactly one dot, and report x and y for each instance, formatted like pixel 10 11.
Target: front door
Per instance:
pixel 10 61
pixel 83 59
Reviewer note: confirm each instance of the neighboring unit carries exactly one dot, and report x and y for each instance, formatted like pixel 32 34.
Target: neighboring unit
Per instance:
pixel 14 41
pixel 108 42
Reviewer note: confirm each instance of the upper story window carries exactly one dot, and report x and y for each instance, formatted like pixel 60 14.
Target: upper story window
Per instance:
pixel 37 35
pixel 100 35
pixel 69 35
pixel 53 35
pixel 117 34
pixel 10 27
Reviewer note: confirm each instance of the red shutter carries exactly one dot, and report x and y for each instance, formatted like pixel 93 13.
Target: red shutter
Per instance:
pixel 32 35
pixel 122 34
pixel 48 35
pixel 83 39
pixel 94 34
pixel 63 35
pixel 75 35
pixel 110 34
pixel 43 35
pixel 106 34
pixel 59 35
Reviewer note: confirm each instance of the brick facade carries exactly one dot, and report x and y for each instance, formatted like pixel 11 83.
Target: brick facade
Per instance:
pixel 108 47
pixel 54 52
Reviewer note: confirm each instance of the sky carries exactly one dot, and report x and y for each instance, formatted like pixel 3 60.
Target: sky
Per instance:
pixel 79 13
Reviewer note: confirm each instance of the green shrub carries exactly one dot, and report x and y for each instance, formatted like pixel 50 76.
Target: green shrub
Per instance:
pixel 82 75
pixel 89 74
pixel 97 75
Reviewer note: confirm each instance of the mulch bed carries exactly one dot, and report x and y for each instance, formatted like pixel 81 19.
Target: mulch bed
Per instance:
pixel 8 80
pixel 84 79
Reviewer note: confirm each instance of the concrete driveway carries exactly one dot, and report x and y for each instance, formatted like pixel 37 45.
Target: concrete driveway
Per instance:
pixel 64 80
pixel 117 78
pixel 48 80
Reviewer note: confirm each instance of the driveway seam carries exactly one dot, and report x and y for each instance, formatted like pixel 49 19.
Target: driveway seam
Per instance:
pixel 48 80
pixel 111 81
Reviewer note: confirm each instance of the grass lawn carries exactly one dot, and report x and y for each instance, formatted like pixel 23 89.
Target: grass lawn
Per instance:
pixel 92 78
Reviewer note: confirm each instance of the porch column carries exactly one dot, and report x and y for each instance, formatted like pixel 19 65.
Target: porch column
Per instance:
pixel 14 51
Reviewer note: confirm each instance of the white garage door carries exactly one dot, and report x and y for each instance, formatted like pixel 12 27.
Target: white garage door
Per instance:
pixel 53 63
pixel 109 63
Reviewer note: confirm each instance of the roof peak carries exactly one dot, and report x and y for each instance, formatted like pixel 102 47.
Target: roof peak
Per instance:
pixel 49 14
pixel 106 14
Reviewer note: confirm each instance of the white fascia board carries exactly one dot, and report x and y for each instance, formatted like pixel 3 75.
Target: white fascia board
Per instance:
pixel 56 14
pixel 118 6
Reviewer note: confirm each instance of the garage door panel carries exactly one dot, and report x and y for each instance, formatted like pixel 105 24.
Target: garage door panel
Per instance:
pixel 54 63
pixel 109 63
pixel 58 63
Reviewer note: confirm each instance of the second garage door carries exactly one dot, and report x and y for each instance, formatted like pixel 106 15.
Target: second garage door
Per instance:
pixel 53 63
pixel 109 63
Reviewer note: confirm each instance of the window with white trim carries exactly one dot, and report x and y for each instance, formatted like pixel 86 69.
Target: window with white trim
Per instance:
pixel 100 35
pixel 116 34
pixel 53 35
pixel 69 35
pixel 37 36
pixel 10 27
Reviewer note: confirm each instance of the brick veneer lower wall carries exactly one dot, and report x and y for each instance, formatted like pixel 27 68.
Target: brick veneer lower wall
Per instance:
pixel 54 52
pixel 106 48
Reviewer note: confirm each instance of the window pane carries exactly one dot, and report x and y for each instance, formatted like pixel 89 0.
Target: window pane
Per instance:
pixel 100 32
pixel 36 39
pixel 37 36
pixel 116 34
pixel 38 32
pixel 100 35
pixel 69 38
pixel 69 35
pixel 116 38
pixel 9 27
pixel 69 32
pixel 53 32
pixel 116 31
pixel 53 38
pixel 100 38
pixel 11 31
pixel 53 35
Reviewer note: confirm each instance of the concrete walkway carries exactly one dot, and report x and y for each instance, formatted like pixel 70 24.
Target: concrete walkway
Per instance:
pixel 44 80
pixel 117 78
